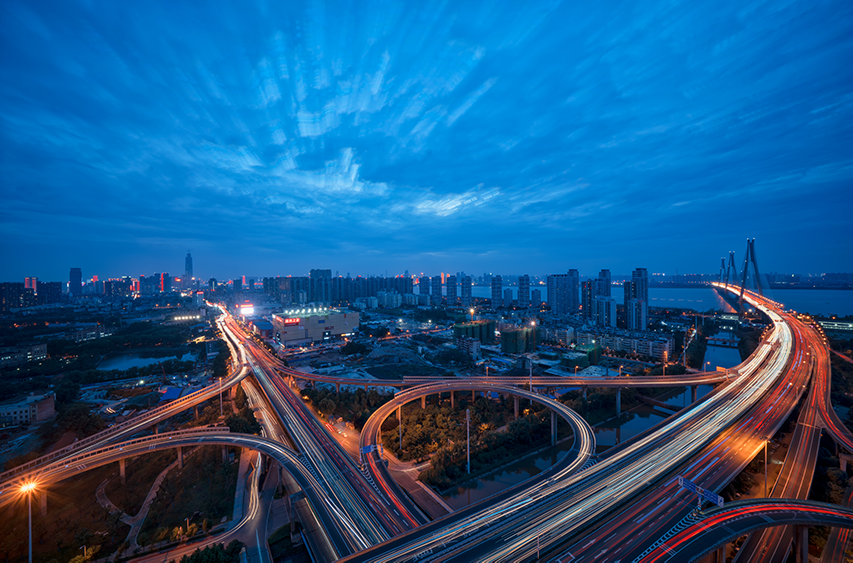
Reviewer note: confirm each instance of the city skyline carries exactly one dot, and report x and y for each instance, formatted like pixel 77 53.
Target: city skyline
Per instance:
pixel 473 138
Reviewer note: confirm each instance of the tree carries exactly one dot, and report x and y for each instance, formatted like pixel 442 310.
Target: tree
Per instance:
pixel 240 400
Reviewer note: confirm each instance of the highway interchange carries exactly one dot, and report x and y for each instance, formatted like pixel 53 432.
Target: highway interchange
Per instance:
pixel 624 507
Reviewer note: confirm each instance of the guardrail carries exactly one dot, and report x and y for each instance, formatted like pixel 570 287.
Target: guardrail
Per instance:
pixel 6 483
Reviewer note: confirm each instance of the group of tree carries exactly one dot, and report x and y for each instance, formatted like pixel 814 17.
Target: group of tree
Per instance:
pixel 216 553
pixel 220 361
pixel 355 406
pixel 244 421
pixel 354 347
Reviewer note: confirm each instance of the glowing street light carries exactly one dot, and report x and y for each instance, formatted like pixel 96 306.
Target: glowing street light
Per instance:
pixel 471 310
pixel 28 489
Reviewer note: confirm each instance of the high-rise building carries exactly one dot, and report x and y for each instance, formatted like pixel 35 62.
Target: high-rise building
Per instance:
pixel 188 267
pixel 49 292
pixel 507 297
pixel 497 290
pixel 450 288
pixel 423 285
pixel 13 295
pixel 587 295
pixel 563 293
pixel 637 300
pixel 75 282
pixel 465 291
pixel 524 290
pixel 436 289
pixel 165 282
pixel 211 284
pixel 238 285
pixel 604 310
pixel 536 297
pixel 604 283
pixel 31 283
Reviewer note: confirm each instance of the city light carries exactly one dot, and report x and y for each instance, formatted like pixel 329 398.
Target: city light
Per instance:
pixel 28 487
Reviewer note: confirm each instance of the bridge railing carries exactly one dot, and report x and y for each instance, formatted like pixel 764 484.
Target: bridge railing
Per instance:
pixel 77 459
pixel 176 405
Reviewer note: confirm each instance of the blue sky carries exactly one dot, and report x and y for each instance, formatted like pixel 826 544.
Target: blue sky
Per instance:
pixel 365 137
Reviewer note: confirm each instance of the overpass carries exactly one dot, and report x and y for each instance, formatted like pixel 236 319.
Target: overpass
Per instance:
pixel 340 529
pixel 138 423
pixel 544 517
pixel 716 527
pixel 584 436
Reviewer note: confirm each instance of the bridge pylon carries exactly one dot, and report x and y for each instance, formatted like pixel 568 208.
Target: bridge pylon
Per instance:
pixel 731 269
pixel 747 260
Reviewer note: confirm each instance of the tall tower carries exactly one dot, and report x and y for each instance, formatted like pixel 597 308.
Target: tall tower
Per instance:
pixel 75 282
pixel 497 289
pixel 188 266
pixel 524 290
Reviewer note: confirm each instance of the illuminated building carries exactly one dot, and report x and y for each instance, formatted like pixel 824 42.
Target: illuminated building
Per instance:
pixel 436 290
pixel 563 293
pixel 304 326
pixel 32 408
pixel 188 267
pixel 450 289
pixel 465 292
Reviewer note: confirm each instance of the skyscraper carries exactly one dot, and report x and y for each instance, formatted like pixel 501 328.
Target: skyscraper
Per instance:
pixel 423 285
pixel 165 283
pixel 637 300
pixel 604 283
pixel 436 289
pixel 587 295
pixel 563 293
pixel 466 291
pixel 188 267
pixel 450 289
pixel 497 289
pixel 75 282
pixel 524 291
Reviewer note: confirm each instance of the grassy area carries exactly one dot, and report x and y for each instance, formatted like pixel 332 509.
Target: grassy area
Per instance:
pixel 204 488
pixel 141 472
pixel 284 550
pixel 74 519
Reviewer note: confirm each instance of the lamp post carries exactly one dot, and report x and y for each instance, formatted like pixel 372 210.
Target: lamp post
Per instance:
pixel 472 314
pixel 468 430
pixel 220 398
pixel 620 371
pixel 664 362
pixel 28 489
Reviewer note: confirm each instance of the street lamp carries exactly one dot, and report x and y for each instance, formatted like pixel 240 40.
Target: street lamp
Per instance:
pixel 664 362
pixel 220 397
pixel 472 314
pixel 28 489
pixel 620 371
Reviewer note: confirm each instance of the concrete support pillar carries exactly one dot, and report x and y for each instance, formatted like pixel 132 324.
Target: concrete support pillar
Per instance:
pixel 180 457
pixel 337 387
pixel 365 388
pixel 618 434
pixel 288 506
pixel 224 454
pixel 584 393
pixel 721 554
pixel 423 402
pixel 693 394
pixel 43 503
pixel 516 406
pixel 452 400
pixel 122 470
pixel 156 428
pixel 618 401
pixel 473 396
pixel 801 544
pixel 553 428
pixel 843 460
pixel 195 411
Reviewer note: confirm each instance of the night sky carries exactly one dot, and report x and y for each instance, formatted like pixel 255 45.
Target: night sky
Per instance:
pixel 366 137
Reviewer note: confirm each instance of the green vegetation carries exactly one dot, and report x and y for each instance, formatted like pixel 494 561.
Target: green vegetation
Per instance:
pixel 396 371
pixel 220 362
pixel 140 475
pixel 216 553
pixel 204 487
pixel 355 406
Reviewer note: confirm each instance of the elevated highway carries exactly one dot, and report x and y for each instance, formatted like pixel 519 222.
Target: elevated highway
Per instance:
pixel 541 519
pixel 341 530
pixel 139 423
pixel 584 436
pixel 718 526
